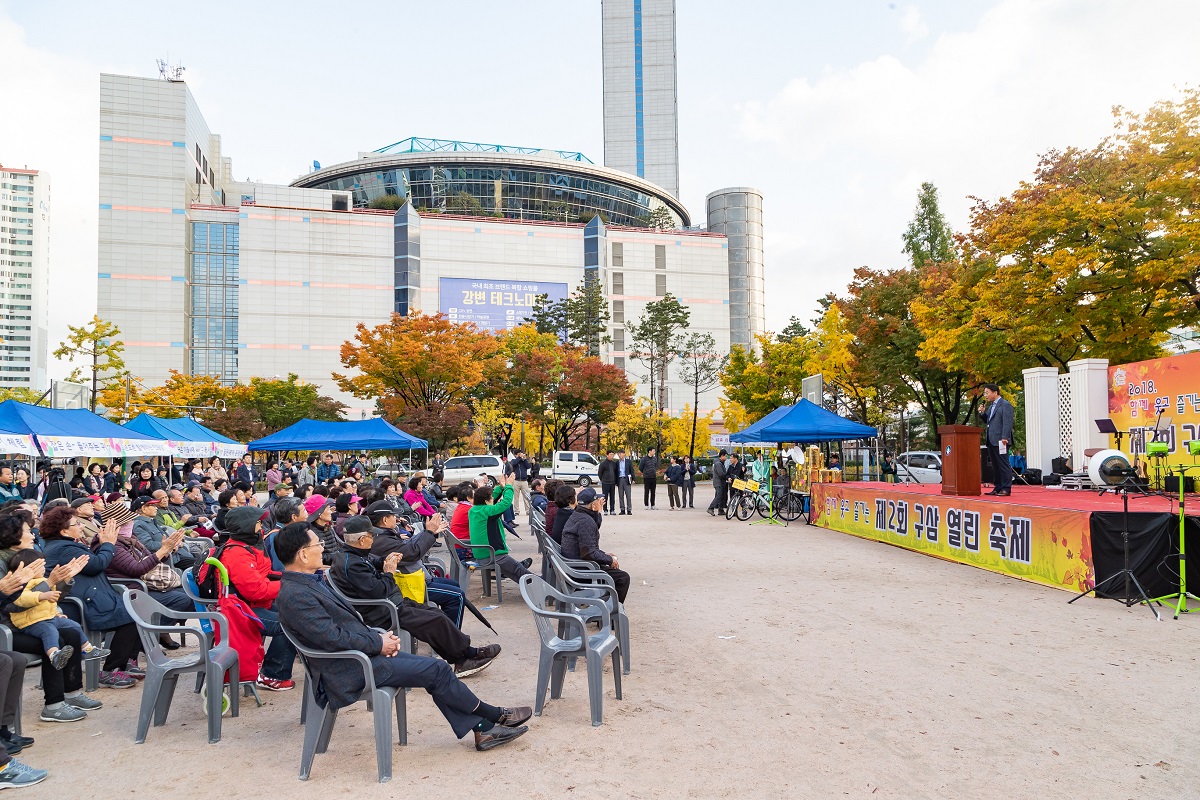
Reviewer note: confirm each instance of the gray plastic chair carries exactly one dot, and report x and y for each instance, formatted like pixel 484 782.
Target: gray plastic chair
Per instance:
pixel 6 643
pixel 564 635
pixel 91 666
pixel 162 671
pixel 460 573
pixel 578 581
pixel 318 722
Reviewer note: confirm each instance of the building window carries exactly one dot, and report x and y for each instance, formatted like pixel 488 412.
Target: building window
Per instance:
pixel 618 337
pixel 618 283
pixel 618 311
pixel 660 256
pixel 660 285
pixel 618 254
pixel 619 362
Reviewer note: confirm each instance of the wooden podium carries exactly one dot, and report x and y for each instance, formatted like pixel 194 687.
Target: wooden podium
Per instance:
pixel 960 460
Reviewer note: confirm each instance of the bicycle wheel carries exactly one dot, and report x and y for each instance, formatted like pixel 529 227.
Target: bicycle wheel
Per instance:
pixel 731 505
pixel 762 506
pixel 745 507
pixel 790 507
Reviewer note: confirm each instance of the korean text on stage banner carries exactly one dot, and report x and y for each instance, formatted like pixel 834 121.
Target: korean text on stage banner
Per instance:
pixel 1143 393
pixel 1045 545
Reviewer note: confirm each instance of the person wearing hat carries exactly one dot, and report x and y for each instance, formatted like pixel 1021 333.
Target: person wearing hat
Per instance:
pixel 488 506
pixel 320 519
pixel 85 512
pixel 390 538
pixel 363 576
pixel 581 539
pixel 252 579
pixel 720 486
pixel 152 534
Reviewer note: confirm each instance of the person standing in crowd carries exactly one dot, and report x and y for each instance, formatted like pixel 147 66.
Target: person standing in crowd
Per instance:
pixel 648 466
pixel 720 485
pixel 93 483
pixel 328 470
pixel 997 415
pixel 674 478
pixel 624 482
pixel 8 485
pixel 308 473
pixel 520 473
pixel 21 481
pixel 438 467
pixel 114 479
pixel 244 473
pixel 689 483
pixel 216 471
pixel 273 474
pixel 607 472
pixel 581 540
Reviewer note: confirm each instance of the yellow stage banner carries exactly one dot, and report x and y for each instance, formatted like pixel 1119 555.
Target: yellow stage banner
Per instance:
pixel 1049 546
pixel 1137 392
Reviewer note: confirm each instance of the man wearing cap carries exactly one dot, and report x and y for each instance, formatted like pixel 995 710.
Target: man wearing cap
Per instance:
pixel 720 486
pixel 581 539
pixel 252 579
pixel 150 533
pixel 280 491
pixel 85 511
pixel 364 576
pixel 388 539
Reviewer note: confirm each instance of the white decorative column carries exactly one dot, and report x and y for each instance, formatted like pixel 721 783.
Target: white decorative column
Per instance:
pixel 1041 417
pixel 1089 402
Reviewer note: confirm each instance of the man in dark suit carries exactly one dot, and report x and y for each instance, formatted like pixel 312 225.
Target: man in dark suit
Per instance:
pixel 317 619
pixel 624 482
pixel 720 485
pixel 998 417
pixel 245 471
pixel 607 473
pixel 648 466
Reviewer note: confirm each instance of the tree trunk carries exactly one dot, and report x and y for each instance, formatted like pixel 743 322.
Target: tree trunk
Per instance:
pixel 95 375
pixel 695 418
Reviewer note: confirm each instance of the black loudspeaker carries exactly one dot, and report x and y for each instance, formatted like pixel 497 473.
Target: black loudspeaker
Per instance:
pixel 986 475
pixel 1059 466
pixel 1033 476
pixel 1172 484
pixel 1053 479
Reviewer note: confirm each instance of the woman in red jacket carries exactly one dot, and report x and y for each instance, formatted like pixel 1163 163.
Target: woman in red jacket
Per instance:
pixel 252 579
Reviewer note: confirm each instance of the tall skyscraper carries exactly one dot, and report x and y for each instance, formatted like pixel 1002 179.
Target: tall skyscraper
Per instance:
pixel 641 119
pixel 24 286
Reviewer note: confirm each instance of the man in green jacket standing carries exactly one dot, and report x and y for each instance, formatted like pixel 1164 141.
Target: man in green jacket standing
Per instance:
pixel 484 517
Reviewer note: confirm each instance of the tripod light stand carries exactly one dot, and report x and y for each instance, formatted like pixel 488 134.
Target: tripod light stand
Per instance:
pixel 1180 598
pixel 1112 470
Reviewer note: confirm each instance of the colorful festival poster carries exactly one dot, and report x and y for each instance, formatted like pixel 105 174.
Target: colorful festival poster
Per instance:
pixel 1049 546
pixel 1138 392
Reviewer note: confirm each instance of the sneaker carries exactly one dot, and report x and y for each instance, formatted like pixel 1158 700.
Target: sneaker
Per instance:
pixel 489 651
pixel 11 747
pixel 81 700
pixel 62 712
pixel 62 656
pixel 15 775
pixel 117 680
pixel 469 666
pixel 24 741
pixel 498 735
pixel 274 684
pixel 96 652
pixel 134 671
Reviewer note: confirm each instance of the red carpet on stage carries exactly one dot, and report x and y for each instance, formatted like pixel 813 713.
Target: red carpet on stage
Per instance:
pixel 1046 497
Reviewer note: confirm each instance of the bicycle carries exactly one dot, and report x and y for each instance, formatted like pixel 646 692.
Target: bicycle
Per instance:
pixel 770 501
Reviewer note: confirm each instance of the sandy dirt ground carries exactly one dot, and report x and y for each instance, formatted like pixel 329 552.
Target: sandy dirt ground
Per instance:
pixel 767 662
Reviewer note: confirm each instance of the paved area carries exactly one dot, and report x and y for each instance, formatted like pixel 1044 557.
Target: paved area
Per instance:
pixel 767 662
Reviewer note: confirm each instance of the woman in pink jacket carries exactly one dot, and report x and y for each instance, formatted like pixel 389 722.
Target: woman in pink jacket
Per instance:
pixel 415 497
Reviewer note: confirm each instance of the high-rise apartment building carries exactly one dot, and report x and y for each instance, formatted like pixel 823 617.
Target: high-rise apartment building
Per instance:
pixel 641 118
pixel 24 264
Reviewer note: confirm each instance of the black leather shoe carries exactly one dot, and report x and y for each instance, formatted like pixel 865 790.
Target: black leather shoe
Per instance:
pixel 992 492
pixel 498 735
pixel 167 642
pixel 512 717
pixel 527 563
pixel 1002 494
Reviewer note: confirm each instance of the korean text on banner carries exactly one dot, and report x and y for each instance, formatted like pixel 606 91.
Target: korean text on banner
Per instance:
pixel 1138 392
pixel 493 305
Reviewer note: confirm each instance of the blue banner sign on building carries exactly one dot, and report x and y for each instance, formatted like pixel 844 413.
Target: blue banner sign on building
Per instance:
pixel 493 305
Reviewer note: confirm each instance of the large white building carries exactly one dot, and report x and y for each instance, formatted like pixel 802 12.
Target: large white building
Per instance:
pixel 207 275
pixel 24 280
pixel 641 99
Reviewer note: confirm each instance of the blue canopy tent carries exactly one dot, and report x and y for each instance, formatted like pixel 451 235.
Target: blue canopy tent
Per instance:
pixel 187 437
pixel 76 432
pixel 310 434
pixel 803 423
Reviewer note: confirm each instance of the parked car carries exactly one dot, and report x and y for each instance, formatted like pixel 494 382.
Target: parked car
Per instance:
pixel 919 466
pixel 393 470
pixel 575 466
pixel 468 468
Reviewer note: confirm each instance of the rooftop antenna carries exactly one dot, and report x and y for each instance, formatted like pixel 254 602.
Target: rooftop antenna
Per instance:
pixel 170 72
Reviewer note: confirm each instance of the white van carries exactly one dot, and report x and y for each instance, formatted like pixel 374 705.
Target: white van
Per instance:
pixel 575 466
pixel 468 468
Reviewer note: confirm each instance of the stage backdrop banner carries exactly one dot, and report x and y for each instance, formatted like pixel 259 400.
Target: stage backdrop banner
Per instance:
pixel 1138 391
pixel 1045 545
pixel 493 305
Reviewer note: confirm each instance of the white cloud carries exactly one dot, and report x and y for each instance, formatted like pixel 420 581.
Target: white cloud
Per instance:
pixel 851 146
pixel 50 123
pixel 912 26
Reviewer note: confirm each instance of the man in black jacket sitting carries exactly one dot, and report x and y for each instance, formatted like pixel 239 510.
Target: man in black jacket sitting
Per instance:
pixel 363 576
pixel 319 620
pixel 388 539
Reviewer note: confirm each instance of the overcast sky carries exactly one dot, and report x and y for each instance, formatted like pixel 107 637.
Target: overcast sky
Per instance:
pixel 837 111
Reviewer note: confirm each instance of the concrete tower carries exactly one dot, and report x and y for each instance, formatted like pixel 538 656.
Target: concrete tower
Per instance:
pixel 737 213
pixel 641 118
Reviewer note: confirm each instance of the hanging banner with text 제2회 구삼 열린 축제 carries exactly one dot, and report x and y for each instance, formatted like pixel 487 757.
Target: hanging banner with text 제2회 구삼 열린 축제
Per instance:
pixel 1050 546
pixel 493 305
pixel 1137 392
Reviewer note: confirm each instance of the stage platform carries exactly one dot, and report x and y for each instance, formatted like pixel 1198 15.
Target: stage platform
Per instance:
pixel 1054 537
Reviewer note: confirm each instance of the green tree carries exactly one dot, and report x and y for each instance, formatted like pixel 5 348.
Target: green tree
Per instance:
pixel 587 317
pixel 465 203
pixel 283 402
pixel 97 345
pixel 928 238
pixel 23 395
pixel 700 366
pixel 656 341
pixel 588 395
pixel 388 202
pixel 549 317
pixel 763 379
pixel 660 219
pixel 795 329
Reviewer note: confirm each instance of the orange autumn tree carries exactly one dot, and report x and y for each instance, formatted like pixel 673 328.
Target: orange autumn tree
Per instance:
pixel 422 369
